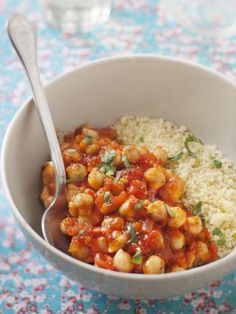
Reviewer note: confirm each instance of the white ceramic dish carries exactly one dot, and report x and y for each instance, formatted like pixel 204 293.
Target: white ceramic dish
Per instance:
pixel 99 93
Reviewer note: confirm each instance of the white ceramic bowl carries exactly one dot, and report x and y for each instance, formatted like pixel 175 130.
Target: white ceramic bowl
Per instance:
pixel 100 93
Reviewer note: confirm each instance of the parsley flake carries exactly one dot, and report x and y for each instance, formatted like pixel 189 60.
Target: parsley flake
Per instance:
pixel 176 157
pixel 221 241
pixel 216 163
pixel 197 209
pixel 88 139
pixel 125 161
pixel 138 205
pixel 170 211
pixel 81 232
pixel 108 169
pixel 190 139
pixel 132 232
pixel 107 197
pixel 137 258
pixel 108 157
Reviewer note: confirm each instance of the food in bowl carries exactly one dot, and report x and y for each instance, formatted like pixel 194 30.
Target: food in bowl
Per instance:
pixel 128 208
pixel 199 106
pixel 210 178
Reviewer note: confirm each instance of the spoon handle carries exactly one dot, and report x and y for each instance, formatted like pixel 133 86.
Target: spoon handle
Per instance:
pixel 23 39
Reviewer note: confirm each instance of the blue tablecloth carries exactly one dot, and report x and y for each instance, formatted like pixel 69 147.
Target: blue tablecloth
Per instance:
pixel 28 284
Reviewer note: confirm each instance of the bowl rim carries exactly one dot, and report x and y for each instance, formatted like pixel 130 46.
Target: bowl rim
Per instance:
pixel 69 259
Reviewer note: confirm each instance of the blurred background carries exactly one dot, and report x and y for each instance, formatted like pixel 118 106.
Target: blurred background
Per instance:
pixel 72 33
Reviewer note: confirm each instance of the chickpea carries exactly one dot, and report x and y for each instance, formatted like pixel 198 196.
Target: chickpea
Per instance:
pixel 88 144
pixel 102 244
pixel 133 154
pixel 161 155
pixel 173 189
pixel 76 172
pixel 119 240
pixel 190 258
pixel 63 226
pixel 155 177
pixel 87 219
pixel 113 223
pixel 46 197
pixel 84 200
pixel 157 211
pixel 122 261
pixel 83 211
pixel 71 155
pixel 103 260
pixel 73 211
pixel 118 186
pixel 80 251
pixel 71 191
pixel 127 208
pixel 177 240
pixel 194 225
pixel 117 159
pixel 48 173
pixel 96 179
pixel 160 244
pixel 70 226
pixel 178 217
pixel 154 265
pixel 81 200
pixel 93 149
pixel 90 132
pixel 176 268
pixel 202 252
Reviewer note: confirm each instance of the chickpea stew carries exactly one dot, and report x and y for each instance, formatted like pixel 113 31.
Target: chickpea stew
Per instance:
pixel 124 207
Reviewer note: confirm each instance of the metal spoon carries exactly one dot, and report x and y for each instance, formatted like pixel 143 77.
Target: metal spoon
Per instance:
pixel 23 39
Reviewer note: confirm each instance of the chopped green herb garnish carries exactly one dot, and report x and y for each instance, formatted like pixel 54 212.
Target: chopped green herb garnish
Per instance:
pixel 170 211
pixel 81 232
pixel 88 139
pixel 197 209
pixel 221 241
pixel 106 166
pixel 107 197
pixel 189 139
pixel 137 258
pixel 142 138
pixel 108 157
pixel 216 163
pixel 125 161
pixel 176 157
pixel 108 169
pixel 138 205
pixel 133 234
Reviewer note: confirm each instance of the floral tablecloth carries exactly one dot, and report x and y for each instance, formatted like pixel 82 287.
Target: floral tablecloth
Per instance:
pixel 28 284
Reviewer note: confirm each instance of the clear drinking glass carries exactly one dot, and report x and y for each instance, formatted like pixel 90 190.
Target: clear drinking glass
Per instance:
pixel 76 15
pixel 208 17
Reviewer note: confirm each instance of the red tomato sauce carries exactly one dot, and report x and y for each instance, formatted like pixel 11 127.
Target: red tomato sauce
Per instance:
pixel 124 207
